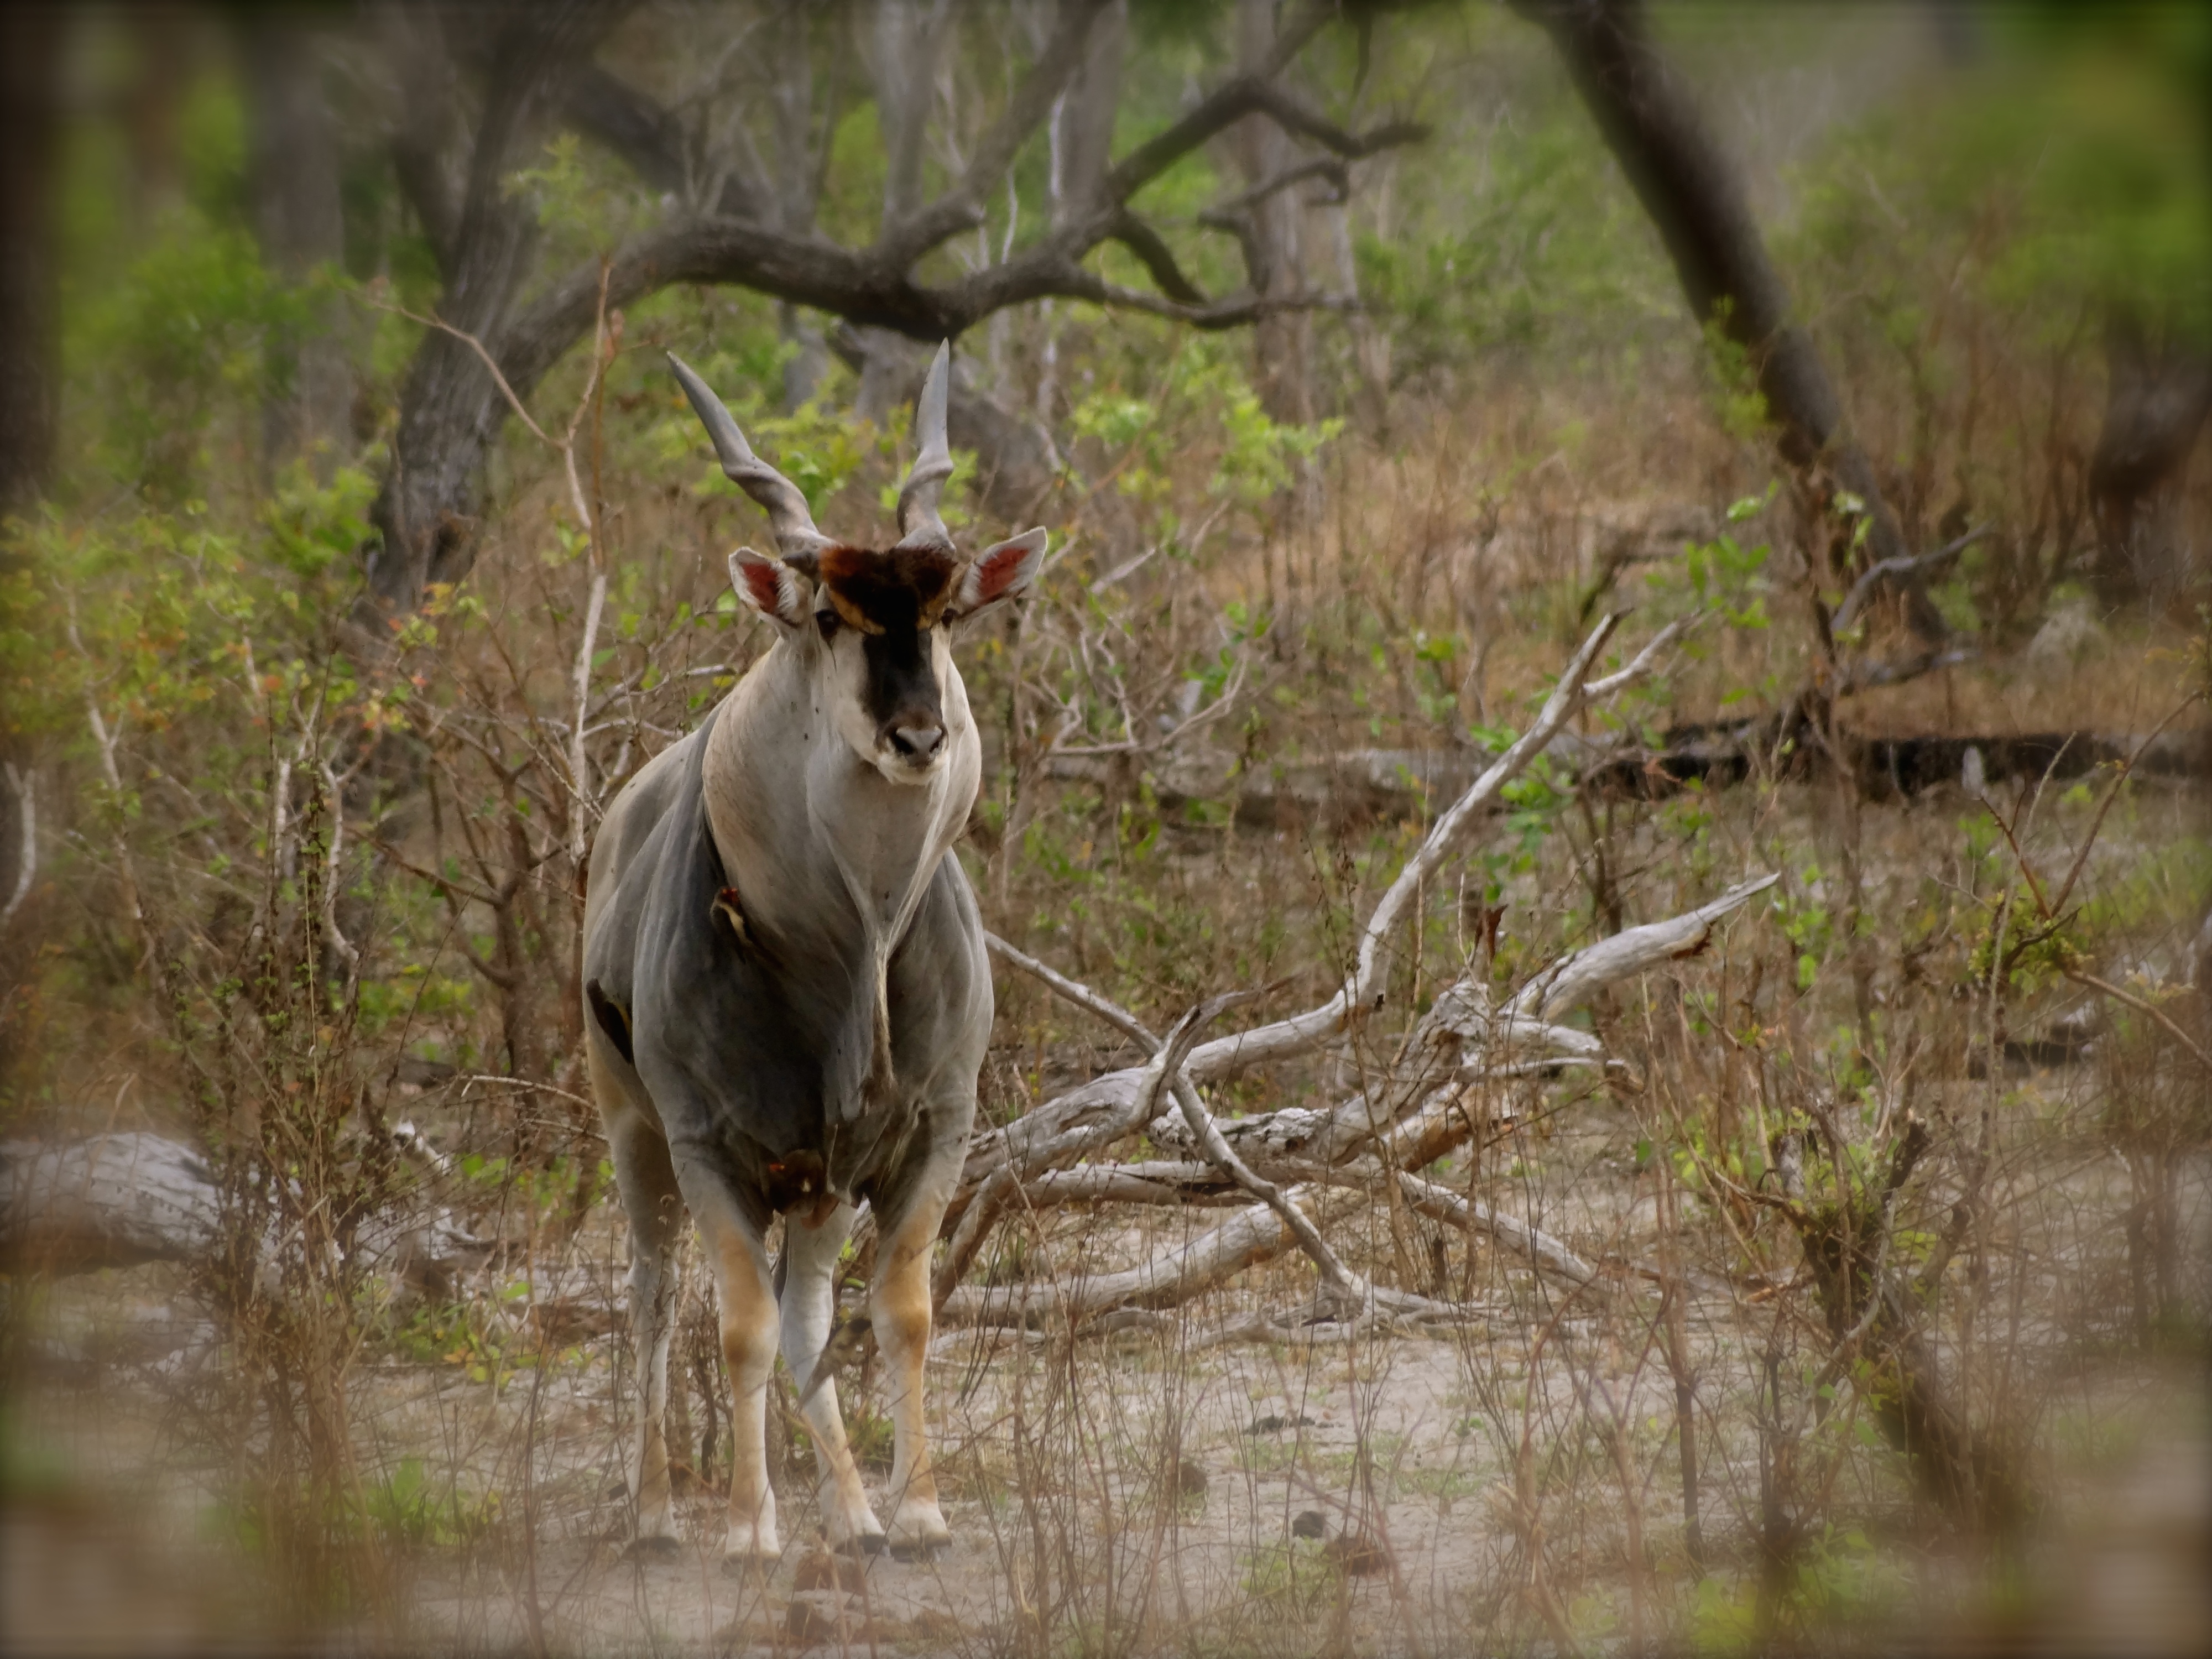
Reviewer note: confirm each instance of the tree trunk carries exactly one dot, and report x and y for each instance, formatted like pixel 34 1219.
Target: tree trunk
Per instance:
pixel 293 166
pixel 30 54
pixel 1282 342
pixel 799 155
pixel 903 41
pixel 30 397
pixel 2157 395
pixel 1703 215
pixel 164 48
pixel 1083 129
pixel 1081 136
pixel 451 410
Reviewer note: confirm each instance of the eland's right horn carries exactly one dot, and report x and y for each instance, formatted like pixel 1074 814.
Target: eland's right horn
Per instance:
pixel 796 539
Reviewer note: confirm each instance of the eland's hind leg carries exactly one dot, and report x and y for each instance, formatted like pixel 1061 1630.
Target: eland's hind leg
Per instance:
pixel 647 1182
pixel 808 1304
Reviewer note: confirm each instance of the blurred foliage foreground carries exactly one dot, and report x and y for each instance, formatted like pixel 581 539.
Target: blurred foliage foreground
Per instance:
pixel 311 900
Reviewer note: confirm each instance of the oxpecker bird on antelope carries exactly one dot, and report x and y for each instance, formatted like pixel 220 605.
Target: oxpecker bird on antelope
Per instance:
pixel 788 1000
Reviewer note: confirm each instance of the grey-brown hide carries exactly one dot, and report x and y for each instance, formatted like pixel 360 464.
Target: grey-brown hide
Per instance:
pixel 788 996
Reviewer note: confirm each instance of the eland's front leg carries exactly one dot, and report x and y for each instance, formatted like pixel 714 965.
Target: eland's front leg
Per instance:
pixel 899 1306
pixel 809 1305
pixel 741 1278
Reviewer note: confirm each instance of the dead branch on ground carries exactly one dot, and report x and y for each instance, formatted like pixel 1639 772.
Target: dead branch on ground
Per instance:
pixel 1310 1170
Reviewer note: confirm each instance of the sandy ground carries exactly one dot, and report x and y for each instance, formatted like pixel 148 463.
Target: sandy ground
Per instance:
pixel 1142 1494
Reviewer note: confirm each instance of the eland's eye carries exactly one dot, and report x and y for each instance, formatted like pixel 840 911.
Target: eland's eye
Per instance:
pixel 827 622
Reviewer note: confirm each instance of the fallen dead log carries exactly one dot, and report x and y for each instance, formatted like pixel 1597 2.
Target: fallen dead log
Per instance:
pixel 1167 1279
pixel 1366 785
pixel 1441 1203
pixel 111 1202
pixel 120 1200
pixel 1888 768
pixel 1462 1041
pixel 1181 1274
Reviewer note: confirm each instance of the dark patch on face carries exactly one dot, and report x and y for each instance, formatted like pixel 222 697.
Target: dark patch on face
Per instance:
pixel 902 683
pixel 892 599
pixel 904 588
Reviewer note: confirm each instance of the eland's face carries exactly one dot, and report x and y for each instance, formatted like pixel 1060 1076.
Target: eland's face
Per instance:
pixel 874 626
pixel 883 657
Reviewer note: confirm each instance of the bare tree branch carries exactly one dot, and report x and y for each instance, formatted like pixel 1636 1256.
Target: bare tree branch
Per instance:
pixel 1229 103
pixel 1157 258
pixel 1571 982
pixel 998 1191
pixel 26 847
pixel 1441 1203
pixel 1331 167
pixel 1347 1286
pixel 1891 571
pixel 2128 999
pixel 1077 993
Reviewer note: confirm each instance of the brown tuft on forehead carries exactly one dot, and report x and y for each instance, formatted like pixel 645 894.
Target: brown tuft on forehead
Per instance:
pixel 904 588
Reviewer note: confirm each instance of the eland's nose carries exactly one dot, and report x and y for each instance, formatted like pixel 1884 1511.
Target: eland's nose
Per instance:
pixel 917 744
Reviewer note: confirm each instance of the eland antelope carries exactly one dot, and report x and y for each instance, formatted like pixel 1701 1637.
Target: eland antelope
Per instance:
pixel 788 996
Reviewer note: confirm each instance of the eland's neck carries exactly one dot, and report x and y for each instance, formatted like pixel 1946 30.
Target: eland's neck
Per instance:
pixel 823 849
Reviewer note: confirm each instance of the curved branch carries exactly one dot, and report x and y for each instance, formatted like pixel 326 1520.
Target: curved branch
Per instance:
pixel 1886 571
pixel 1571 982
pixel 1229 103
pixel 853 286
pixel 870 287
pixel 1223 215
pixel 1157 257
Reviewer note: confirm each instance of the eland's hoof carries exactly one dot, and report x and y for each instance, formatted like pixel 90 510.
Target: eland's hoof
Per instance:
pixel 654 1547
pixel 863 1544
pixel 752 1545
pixel 918 1530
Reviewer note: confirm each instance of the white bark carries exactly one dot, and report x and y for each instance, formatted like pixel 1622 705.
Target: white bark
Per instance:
pixel 1168 1279
pixel 26 841
pixel 111 1201
pixel 1574 979
pixel 1544 1251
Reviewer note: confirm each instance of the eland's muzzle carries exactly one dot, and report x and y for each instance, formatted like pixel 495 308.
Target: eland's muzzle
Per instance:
pixel 916 742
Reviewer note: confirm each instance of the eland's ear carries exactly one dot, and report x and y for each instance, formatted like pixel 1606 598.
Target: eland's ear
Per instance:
pixel 771 586
pixel 997 573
